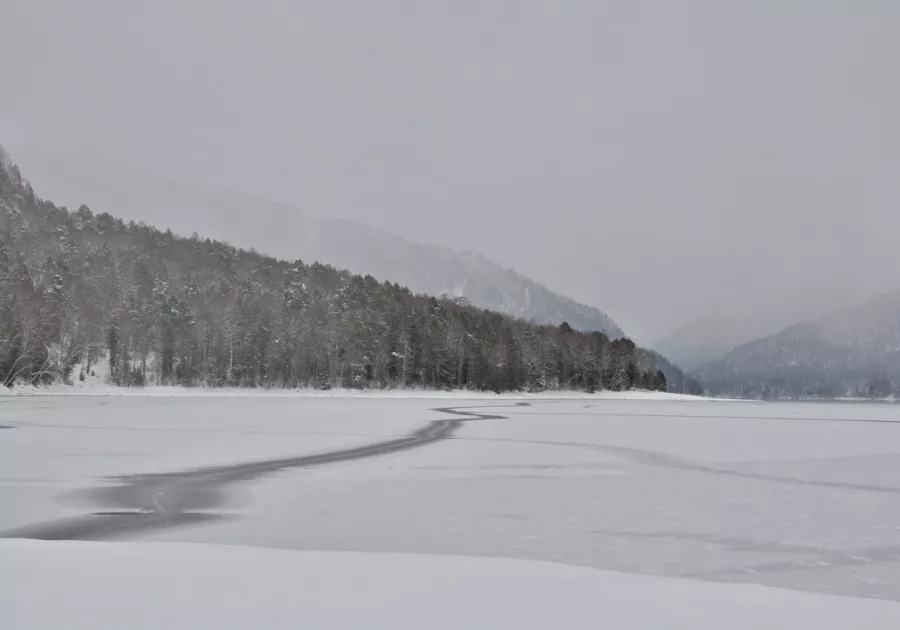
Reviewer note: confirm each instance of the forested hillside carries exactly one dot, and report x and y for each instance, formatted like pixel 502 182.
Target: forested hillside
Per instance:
pixel 853 353
pixel 79 288
pixel 285 231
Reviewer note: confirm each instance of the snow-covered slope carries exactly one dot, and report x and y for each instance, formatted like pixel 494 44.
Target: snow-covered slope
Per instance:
pixel 146 585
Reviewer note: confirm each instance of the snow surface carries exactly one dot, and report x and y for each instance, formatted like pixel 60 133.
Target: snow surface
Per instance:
pixel 145 585
pixel 797 495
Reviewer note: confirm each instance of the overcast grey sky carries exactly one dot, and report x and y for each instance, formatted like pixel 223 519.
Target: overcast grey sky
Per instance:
pixel 655 159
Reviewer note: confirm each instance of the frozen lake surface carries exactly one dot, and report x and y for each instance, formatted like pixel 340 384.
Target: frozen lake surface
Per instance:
pixel 799 495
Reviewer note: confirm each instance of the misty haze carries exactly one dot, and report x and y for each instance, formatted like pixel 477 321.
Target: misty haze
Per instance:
pixel 480 286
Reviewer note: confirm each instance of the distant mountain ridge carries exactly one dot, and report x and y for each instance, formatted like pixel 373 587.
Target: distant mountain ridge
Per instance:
pixel 716 332
pixel 854 352
pixel 709 337
pixel 436 270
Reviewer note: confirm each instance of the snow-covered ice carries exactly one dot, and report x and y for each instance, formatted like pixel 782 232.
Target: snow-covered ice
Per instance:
pixel 797 495
pixel 63 444
pixel 144 585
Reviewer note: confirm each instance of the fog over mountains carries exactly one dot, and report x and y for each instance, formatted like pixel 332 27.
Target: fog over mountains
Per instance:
pixel 660 161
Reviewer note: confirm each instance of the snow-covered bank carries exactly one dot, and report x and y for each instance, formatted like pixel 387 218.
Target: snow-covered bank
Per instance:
pixel 152 585
pixel 97 389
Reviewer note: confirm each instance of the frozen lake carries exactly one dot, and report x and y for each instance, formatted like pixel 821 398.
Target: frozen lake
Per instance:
pixel 799 495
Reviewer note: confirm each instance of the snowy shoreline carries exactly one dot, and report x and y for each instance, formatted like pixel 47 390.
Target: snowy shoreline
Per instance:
pixel 95 387
pixel 388 394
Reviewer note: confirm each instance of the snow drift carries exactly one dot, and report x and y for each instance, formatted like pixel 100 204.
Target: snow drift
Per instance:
pixel 147 585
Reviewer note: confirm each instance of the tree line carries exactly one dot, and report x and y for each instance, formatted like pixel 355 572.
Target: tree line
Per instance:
pixel 78 288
